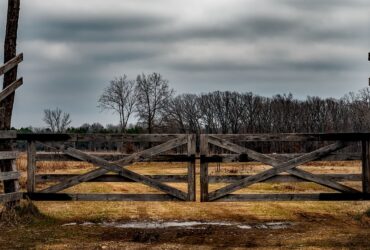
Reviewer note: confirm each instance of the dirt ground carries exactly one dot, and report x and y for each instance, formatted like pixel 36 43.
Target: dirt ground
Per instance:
pixel 83 225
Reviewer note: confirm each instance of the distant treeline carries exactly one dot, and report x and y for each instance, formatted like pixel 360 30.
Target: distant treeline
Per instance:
pixel 234 112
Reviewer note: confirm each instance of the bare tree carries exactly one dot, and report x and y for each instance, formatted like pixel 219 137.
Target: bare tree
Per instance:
pixel 153 95
pixel 120 97
pixel 56 120
pixel 183 112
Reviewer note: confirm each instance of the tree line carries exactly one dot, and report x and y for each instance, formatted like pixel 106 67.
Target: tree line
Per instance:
pixel 158 109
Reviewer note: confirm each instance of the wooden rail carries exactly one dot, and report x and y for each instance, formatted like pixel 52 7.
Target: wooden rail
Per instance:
pixel 281 163
pixel 11 64
pixel 106 163
pixel 9 178
pixel 14 85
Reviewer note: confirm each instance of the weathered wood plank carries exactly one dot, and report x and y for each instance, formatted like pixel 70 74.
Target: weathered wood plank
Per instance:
pixel 275 163
pixel 226 158
pixel 51 156
pixel 98 197
pixel 97 137
pixel 12 175
pixel 191 168
pixel 11 185
pixel 8 134
pixel 42 178
pixel 9 197
pixel 107 167
pixel 31 166
pixel 287 137
pixel 166 137
pixel 366 166
pixel 203 168
pixel 295 197
pixel 279 168
pixel 8 155
pixel 11 64
pixel 10 89
pixel 285 178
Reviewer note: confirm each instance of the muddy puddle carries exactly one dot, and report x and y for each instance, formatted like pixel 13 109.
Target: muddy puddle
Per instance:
pixel 187 225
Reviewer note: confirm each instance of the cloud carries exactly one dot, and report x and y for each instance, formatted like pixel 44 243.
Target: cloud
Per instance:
pixel 73 48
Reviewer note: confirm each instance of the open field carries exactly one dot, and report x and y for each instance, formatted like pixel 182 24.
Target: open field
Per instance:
pixel 313 225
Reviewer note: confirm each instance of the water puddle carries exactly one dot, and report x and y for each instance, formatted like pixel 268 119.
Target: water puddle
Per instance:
pixel 186 225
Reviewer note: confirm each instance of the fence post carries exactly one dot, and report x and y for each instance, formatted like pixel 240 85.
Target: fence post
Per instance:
pixel 31 166
pixel 366 166
pixel 191 168
pixel 203 168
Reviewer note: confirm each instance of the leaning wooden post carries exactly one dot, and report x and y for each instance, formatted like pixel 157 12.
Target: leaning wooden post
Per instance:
pixel 203 168
pixel 6 105
pixel 31 166
pixel 191 168
pixel 366 166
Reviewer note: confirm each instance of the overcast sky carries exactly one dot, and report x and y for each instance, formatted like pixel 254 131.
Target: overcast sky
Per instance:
pixel 72 48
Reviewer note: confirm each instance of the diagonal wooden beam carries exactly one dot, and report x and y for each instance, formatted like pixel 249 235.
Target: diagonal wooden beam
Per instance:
pixel 128 173
pixel 267 159
pixel 124 162
pixel 283 167
pixel 10 89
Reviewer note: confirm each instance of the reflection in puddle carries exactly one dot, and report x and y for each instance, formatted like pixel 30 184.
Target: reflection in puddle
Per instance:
pixel 186 224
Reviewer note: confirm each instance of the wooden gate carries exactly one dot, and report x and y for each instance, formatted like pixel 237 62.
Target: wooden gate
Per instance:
pixel 104 166
pixel 281 164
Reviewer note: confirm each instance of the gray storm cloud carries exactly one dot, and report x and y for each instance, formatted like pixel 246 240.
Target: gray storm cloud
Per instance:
pixel 73 48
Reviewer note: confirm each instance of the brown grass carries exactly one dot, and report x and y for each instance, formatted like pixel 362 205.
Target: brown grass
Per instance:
pixel 328 225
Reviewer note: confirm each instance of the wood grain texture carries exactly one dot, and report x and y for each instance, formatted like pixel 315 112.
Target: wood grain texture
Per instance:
pixel 226 158
pixel 275 163
pixel 203 168
pixel 191 148
pixel 42 178
pixel 58 156
pixel 278 168
pixel 11 64
pixel 295 197
pixel 106 167
pixel 31 166
pixel 9 90
pixel 97 137
pixel 98 197
pixel 12 175
pixel 8 155
pixel 366 166
pixel 287 137
pixel 285 178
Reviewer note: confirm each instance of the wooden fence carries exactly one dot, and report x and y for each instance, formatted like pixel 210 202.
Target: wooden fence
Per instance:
pixel 8 170
pixel 214 149
pixel 9 178
pixel 281 163
pixel 108 162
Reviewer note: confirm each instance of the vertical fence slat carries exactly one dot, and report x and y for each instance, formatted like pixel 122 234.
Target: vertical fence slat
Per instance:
pixel 191 168
pixel 366 166
pixel 31 166
pixel 203 168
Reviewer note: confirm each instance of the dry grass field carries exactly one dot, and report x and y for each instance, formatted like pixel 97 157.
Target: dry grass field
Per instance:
pixel 312 225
